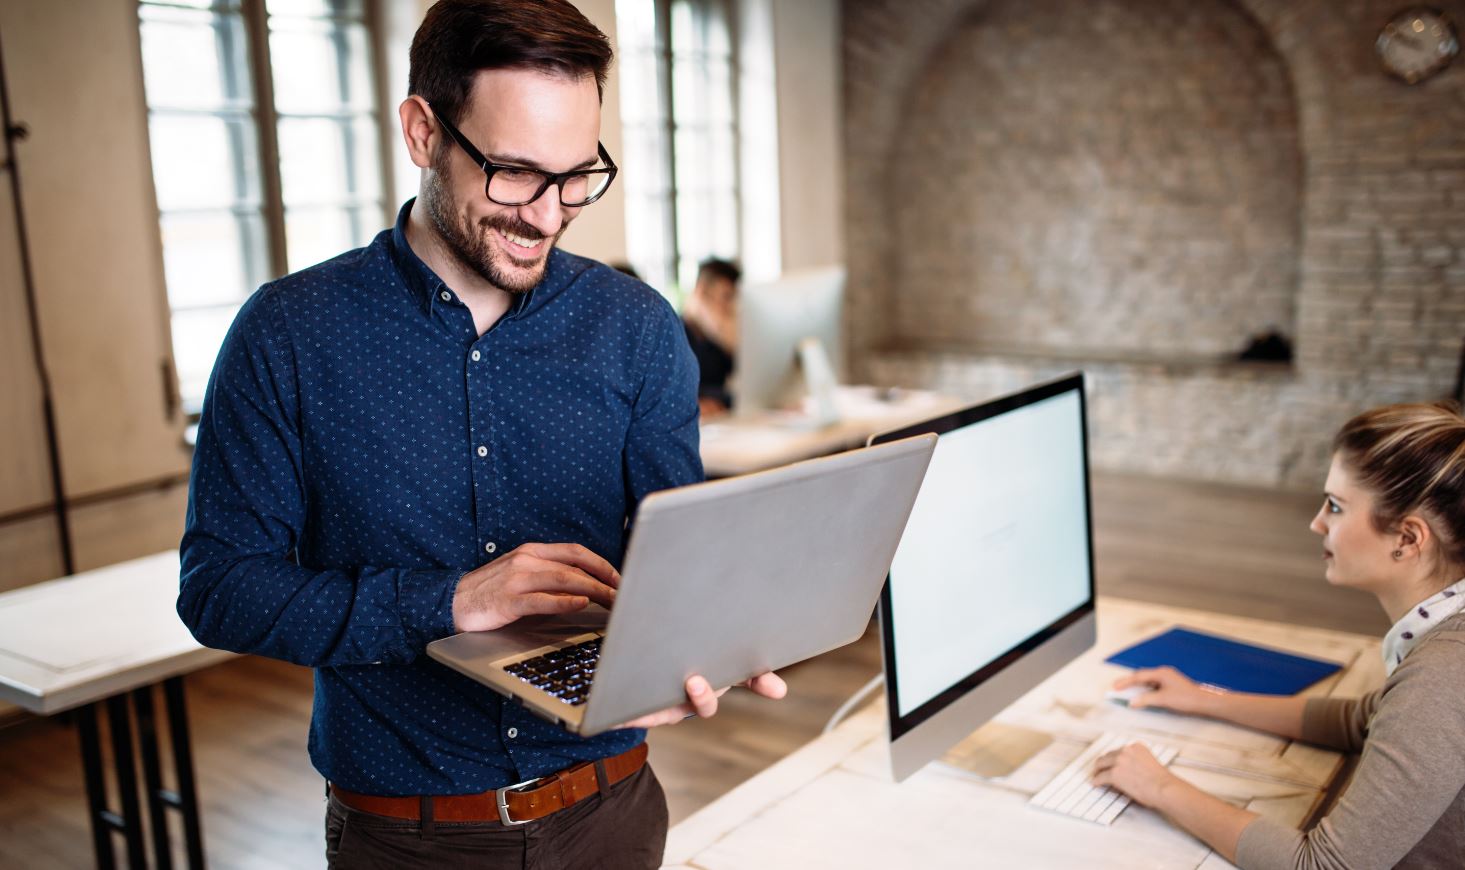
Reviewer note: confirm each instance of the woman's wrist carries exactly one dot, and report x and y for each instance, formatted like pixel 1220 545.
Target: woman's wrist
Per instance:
pixel 1164 792
pixel 1210 702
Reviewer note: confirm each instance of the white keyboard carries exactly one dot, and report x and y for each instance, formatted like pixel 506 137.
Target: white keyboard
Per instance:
pixel 1071 793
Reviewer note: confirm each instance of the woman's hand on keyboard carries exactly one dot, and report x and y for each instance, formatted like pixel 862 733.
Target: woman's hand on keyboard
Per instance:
pixel 1135 771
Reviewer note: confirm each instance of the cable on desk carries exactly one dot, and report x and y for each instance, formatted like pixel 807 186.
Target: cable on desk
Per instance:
pixel 853 702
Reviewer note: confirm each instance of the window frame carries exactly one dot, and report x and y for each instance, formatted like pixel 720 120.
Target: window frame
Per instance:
pixel 265 118
pixel 675 126
pixel 668 126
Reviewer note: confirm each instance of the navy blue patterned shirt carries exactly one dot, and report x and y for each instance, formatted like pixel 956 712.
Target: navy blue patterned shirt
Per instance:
pixel 362 447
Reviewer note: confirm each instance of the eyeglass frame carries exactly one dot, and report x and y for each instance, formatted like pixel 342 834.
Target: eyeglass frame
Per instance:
pixel 556 179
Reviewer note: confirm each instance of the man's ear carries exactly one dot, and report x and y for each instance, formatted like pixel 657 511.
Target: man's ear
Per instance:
pixel 419 130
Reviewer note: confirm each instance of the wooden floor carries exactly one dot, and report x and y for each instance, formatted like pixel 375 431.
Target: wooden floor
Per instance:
pixel 1223 548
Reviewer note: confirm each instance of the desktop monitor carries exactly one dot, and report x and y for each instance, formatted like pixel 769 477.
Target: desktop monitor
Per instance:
pixel 992 587
pixel 788 342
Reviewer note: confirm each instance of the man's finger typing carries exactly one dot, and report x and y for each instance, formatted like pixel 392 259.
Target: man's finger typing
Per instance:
pixel 532 579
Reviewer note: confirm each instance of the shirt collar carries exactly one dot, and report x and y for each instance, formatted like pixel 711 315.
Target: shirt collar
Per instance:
pixel 426 287
pixel 422 282
pixel 1412 626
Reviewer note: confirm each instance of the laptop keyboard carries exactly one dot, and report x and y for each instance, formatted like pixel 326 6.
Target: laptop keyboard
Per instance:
pixel 564 673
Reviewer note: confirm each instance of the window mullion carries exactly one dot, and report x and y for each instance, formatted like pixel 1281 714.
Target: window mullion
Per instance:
pixel 735 79
pixel 272 198
pixel 663 38
pixel 348 128
pixel 386 141
pixel 235 89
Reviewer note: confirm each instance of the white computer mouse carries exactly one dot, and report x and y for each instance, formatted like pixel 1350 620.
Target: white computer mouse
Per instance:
pixel 1124 696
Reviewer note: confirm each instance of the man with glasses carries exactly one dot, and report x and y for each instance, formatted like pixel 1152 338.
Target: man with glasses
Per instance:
pixel 445 431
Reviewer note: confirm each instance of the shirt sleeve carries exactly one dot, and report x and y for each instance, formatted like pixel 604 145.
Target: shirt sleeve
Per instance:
pixel 1339 723
pixel 662 444
pixel 1410 772
pixel 241 588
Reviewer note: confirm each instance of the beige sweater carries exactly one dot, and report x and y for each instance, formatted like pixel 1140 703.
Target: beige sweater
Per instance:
pixel 1406 804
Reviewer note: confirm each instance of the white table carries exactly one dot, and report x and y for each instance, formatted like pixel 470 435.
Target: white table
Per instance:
pixel 99 638
pixel 738 445
pixel 833 804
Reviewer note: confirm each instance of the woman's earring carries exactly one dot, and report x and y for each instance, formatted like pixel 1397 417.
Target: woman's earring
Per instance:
pixel 1398 554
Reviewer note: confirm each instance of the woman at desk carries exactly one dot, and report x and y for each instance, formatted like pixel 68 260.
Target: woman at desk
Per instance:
pixel 1393 524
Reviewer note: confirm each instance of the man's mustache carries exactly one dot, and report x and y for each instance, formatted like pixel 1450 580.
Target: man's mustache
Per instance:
pixel 517 227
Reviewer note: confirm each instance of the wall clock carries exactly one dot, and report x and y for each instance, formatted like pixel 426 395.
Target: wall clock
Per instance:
pixel 1417 43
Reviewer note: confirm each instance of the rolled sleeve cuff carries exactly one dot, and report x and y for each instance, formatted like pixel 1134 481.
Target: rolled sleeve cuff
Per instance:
pixel 425 601
pixel 1332 722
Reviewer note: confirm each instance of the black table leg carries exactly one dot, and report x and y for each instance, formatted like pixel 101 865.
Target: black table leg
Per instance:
pixel 187 797
pixel 129 821
pixel 152 776
pixel 121 728
pixel 96 786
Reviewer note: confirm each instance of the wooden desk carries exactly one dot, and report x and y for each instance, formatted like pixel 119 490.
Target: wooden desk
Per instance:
pixel 99 638
pixel 833 804
pixel 739 445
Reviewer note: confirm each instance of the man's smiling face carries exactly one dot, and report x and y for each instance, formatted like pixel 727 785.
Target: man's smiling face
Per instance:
pixel 518 117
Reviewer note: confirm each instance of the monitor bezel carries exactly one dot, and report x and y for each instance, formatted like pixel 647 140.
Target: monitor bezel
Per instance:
pixel 901 725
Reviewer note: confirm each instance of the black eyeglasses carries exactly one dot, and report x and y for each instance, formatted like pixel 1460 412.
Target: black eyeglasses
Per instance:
pixel 521 185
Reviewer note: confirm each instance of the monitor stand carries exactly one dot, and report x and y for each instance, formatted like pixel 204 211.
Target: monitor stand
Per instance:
pixel 820 380
pixel 996 749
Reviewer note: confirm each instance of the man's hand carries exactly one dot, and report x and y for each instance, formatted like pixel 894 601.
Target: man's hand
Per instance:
pixel 533 579
pixel 702 701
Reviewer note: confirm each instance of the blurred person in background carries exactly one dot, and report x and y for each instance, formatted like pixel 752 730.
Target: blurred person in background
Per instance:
pixel 710 316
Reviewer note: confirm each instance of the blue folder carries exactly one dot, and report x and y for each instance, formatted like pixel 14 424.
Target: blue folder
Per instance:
pixel 1226 663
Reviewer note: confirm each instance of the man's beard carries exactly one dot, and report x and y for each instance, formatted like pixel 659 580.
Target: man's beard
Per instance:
pixel 470 244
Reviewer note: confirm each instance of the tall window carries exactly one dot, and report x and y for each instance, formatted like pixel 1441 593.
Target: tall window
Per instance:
pixel 265 148
pixel 678 69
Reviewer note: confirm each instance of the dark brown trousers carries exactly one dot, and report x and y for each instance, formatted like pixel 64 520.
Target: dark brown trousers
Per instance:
pixel 625 830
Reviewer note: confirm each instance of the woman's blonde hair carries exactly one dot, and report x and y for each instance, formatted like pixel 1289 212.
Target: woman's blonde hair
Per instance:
pixel 1412 459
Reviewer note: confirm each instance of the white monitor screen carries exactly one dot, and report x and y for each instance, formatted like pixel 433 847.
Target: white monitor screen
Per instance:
pixel 996 548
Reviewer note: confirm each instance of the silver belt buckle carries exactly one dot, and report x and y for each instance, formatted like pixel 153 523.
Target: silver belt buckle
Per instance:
pixel 501 797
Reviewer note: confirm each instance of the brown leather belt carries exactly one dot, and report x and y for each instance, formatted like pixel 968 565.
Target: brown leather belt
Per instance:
pixel 512 804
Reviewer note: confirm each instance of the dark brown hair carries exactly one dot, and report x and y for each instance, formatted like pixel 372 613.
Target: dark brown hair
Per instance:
pixel 1411 458
pixel 458 38
pixel 716 267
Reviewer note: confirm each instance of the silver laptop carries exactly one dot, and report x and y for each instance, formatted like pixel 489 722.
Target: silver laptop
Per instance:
pixel 726 579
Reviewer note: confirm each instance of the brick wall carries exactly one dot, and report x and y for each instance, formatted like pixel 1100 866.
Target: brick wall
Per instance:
pixel 1050 190
pixel 1133 187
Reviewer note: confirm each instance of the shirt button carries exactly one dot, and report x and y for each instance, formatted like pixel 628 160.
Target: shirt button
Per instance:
pixel 513 732
pixel 476 356
pixel 445 296
pixel 482 451
pixel 490 547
